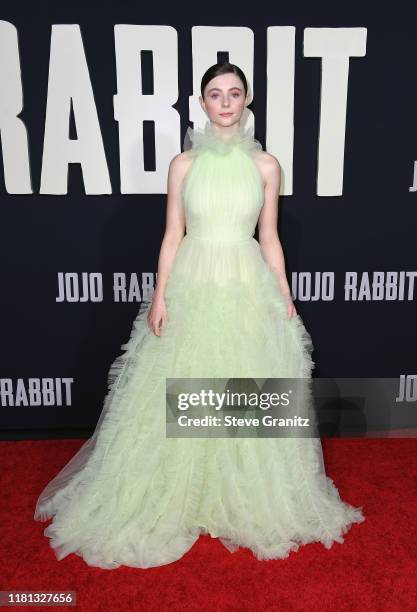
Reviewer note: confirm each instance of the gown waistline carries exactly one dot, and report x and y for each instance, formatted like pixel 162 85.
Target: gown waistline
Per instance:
pixel 217 239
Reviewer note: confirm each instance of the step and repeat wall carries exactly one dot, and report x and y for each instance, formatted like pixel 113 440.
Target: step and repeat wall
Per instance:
pixel 94 103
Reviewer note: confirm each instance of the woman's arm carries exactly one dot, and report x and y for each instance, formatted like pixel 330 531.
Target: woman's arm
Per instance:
pixel 174 223
pixel 268 225
pixel 174 233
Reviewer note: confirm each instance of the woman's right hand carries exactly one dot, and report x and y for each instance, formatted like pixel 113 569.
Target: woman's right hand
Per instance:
pixel 291 310
pixel 157 315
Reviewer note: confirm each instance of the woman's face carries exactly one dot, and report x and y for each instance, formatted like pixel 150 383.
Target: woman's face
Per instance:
pixel 224 99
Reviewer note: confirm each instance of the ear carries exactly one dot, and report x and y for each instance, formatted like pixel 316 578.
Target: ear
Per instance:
pixel 203 106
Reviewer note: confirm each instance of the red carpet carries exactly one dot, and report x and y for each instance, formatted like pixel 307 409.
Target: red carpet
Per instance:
pixel 375 569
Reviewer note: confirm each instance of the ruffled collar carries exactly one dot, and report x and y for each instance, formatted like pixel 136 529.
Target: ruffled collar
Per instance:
pixel 198 139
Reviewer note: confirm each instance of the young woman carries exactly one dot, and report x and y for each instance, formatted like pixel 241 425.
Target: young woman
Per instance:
pixel 221 308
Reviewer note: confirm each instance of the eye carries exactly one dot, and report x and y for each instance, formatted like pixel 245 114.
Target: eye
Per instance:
pixel 236 95
pixel 214 95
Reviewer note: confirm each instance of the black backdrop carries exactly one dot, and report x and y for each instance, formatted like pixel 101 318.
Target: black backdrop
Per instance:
pixel 370 227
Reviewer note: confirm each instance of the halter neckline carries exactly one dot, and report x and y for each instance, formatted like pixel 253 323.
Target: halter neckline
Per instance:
pixel 198 139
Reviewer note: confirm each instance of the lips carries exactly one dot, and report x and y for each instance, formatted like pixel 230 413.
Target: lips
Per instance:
pixel 226 114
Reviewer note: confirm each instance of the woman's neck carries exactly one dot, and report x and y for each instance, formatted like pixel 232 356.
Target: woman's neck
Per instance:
pixel 225 133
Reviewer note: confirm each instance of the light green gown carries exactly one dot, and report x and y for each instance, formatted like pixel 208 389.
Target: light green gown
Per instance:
pixel 131 496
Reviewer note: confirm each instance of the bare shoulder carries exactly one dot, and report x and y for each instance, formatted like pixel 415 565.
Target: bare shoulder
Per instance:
pixel 268 165
pixel 182 159
pixel 178 168
pixel 180 163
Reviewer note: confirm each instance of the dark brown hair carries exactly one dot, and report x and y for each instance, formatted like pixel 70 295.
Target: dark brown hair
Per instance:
pixel 222 68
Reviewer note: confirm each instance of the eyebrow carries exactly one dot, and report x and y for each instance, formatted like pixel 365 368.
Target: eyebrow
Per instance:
pixel 218 89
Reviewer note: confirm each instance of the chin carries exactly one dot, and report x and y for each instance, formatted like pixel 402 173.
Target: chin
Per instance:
pixel 228 120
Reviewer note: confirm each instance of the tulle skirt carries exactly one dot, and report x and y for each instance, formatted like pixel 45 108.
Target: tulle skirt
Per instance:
pixel 132 496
